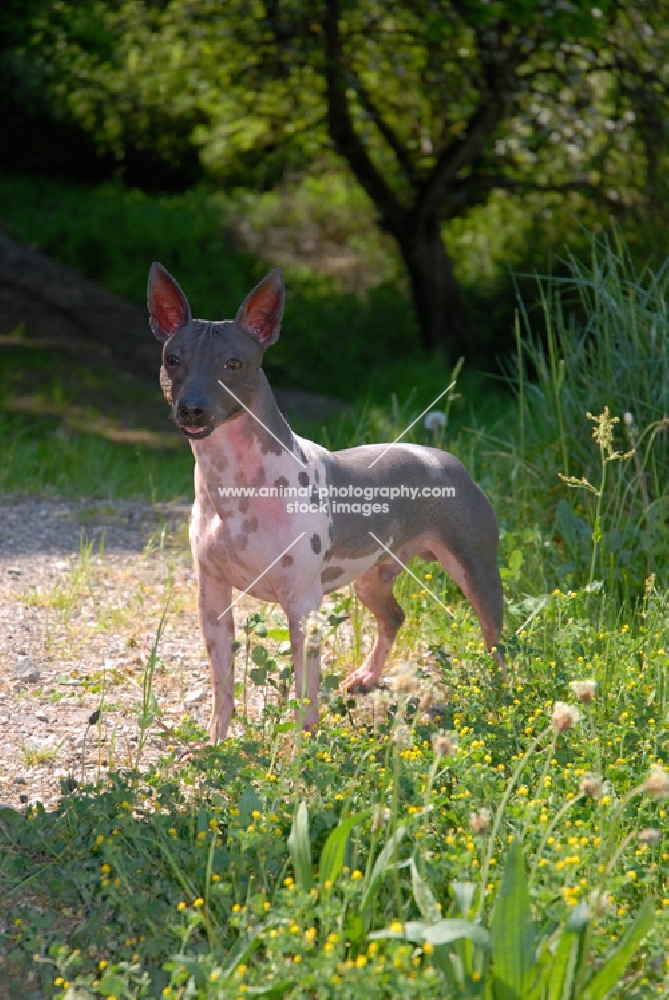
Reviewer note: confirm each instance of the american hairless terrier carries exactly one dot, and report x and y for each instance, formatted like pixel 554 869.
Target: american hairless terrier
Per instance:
pixel 293 553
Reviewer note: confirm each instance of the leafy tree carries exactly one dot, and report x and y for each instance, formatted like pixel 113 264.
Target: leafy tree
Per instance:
pixel 432 104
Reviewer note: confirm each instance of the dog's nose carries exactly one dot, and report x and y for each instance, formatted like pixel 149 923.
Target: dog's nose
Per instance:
pixel 191 410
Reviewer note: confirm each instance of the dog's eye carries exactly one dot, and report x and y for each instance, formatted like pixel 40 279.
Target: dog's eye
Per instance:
pixel 232 364
pixel 172 360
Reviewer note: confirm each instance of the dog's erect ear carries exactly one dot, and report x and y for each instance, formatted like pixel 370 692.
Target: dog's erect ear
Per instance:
pixel 261 311
pixel 168 306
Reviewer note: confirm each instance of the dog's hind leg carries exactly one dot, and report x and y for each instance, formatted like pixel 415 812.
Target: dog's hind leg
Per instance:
pixel 375 590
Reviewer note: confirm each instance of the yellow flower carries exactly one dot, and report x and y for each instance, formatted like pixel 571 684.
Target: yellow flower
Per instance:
pixel 197 903
pixel 397 927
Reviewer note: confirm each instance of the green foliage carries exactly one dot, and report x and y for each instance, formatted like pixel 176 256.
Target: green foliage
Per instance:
pixel 441 106
pixel 597 414
pixel 213 874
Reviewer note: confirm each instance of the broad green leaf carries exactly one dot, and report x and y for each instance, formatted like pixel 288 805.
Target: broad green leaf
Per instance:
pixel 558 967
pixel 259 655
pixel 258 675
pixel 457 930
pixel 423 897
pixel 561 973
pixel 248 803
pixel 278 634
pixel 273 991
pixel 413 930
pixel 11 824
pixel 300 848
pixel 380 867
pixel 464 895
pixel 512 930
pixel 334 849
pixel 612 973
pixel 354 927
pixel 445 932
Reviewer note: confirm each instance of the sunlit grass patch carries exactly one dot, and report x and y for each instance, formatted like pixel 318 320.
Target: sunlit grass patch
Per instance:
pixel 376 857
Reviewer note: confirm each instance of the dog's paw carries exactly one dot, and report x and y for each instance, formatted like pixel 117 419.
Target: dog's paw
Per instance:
pixel 362 681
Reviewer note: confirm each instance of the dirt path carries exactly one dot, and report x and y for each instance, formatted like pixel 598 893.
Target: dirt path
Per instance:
pixel 83 586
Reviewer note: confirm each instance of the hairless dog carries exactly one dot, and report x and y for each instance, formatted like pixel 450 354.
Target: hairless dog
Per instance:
pixel 287 521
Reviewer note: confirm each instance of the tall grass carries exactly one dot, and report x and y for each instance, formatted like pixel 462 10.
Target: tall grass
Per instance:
pixel 603 353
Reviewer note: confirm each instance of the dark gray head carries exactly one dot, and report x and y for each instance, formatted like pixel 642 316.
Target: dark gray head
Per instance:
pixel 199 355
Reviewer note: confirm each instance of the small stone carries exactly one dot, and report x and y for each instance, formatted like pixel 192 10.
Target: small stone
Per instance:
pixel 25 670
pixel 195 697
pixel 42 717
pixel 18 780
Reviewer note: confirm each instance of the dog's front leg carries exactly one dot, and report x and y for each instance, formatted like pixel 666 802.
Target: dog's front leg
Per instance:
pixel 214 597
pixel 306 649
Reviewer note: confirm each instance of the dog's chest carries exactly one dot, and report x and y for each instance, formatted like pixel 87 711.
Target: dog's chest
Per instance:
pixel 259 515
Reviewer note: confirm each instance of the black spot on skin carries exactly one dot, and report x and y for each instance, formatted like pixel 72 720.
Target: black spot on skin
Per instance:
pixel 303 479
pixel 316 543
pixel 331 574
pixel 244 504
pixel 389 571
pixel 250 525
pixel 281 482
pixel 286 560
pixel 242 541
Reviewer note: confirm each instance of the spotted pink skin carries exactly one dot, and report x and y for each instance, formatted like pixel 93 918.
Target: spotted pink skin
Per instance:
pixel 223 404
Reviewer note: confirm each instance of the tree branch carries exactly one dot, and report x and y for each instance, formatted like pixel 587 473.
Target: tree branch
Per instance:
pixel 342 132
pixel 474 189
pixel 386 131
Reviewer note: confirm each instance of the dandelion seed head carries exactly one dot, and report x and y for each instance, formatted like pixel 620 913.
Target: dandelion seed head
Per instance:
pixel 564 716
pixel 479 821
pixel 591 785
pixel 443 745
pixel 657 782
pixel 584 690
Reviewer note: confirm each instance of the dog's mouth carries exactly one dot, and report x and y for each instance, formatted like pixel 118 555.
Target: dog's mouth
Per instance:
pixel 195 433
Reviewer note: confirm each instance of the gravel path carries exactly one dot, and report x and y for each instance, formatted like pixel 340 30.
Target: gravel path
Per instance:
pixel 83 586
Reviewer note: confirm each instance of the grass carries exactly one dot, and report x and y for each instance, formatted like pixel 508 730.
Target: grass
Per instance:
pixel 449 837
pixel 214 873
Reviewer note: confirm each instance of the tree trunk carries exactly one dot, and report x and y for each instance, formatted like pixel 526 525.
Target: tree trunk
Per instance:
pixel 435 290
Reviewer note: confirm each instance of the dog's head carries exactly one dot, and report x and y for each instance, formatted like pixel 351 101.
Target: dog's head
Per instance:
pixel 210 370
